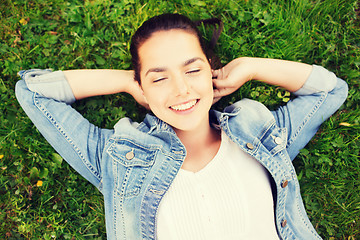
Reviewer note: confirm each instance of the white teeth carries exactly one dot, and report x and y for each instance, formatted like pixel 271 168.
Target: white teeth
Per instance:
pixel 185 106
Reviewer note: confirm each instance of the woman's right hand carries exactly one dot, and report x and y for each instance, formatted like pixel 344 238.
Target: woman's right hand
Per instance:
pixel 137 93
pixel 94 82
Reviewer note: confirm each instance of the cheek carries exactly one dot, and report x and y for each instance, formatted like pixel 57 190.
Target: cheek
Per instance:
pixel 205 85
pixel 155 99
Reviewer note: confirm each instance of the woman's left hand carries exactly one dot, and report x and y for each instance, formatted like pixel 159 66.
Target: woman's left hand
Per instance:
pixel 228 79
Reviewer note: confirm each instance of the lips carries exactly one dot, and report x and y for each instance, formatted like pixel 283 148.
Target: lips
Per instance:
pixel 184 106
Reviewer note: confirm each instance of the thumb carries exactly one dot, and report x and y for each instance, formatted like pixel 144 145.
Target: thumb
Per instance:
pixel 219 93
pixel 220 83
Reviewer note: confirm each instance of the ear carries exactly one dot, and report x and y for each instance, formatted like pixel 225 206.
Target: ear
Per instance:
pixel 145 101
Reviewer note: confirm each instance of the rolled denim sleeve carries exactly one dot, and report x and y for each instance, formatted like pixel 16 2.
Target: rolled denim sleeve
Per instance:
pixel 322 95
pixel 48 84
pixel 320 80
pixel 78 141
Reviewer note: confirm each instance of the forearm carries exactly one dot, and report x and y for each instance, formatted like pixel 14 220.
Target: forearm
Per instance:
pixel 286 74
pixel 87 83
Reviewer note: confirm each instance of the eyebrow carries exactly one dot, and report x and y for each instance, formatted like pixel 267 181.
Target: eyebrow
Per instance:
pixel 190 61
pixel 162 69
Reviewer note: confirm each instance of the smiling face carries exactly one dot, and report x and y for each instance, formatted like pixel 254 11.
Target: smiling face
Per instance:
pixel 176 79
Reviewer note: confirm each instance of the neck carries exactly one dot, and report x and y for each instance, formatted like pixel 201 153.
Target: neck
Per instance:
pixel 196 137
pixel 201 146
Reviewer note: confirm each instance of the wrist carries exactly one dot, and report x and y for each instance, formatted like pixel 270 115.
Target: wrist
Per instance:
pixel 250 66
pixel 287 74
pixel 126 77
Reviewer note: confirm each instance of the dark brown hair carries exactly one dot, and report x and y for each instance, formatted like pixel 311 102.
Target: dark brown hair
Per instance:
pixel 167 22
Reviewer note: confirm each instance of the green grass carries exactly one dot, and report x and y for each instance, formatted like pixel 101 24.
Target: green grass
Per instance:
pixel 95 34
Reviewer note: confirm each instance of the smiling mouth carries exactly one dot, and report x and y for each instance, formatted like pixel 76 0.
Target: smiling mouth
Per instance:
pixel 184 106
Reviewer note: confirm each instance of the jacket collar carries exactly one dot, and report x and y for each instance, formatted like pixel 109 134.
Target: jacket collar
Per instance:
pixel 153 124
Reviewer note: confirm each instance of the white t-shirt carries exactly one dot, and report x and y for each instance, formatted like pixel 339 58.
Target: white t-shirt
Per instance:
pixel 230 198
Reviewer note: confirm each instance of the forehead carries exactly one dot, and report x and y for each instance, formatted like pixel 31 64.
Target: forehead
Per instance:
pixel 169 48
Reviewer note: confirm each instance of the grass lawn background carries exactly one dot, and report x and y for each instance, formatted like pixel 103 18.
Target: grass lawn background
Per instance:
pixel 41 197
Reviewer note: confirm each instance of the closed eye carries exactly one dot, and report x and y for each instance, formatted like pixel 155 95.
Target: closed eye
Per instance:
pixel 193 71
pixel 158 80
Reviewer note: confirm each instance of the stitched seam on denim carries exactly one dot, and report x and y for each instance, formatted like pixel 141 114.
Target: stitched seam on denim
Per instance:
pixel 124 183
pixel 40 81
pixel 298 199
pixel 114 204
pixel 155 217
pixel 143 222
pixel 128 193
pixel 292 173
pixel 280 212
pixel 286 231
pixel 307 118
pixel 133 192
pixel 152 147
pixel 49 116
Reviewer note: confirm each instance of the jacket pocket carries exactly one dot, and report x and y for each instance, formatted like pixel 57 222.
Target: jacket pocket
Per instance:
pixel 131 165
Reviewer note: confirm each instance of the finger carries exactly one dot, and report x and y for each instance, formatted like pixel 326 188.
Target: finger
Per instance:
pixel 219 93
pixel 220 83
pixel 218 73
pixel 215 74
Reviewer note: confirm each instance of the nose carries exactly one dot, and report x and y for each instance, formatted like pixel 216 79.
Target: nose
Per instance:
pixel 181 86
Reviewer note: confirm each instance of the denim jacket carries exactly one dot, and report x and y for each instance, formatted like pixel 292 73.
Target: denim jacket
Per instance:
pixel 134 164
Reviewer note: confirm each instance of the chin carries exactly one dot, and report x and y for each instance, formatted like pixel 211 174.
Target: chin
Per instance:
pixel 190 127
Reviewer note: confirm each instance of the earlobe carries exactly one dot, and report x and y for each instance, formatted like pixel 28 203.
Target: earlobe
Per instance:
pixel 145 100
pixel 143 95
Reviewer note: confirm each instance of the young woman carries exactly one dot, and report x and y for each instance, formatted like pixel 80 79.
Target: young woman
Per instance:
pixel 188 172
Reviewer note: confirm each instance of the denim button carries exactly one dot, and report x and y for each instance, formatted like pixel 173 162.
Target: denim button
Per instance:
pixel 250 146
pixel 283 223
pixel 284 183
pixel 130 155
pixel 278 140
